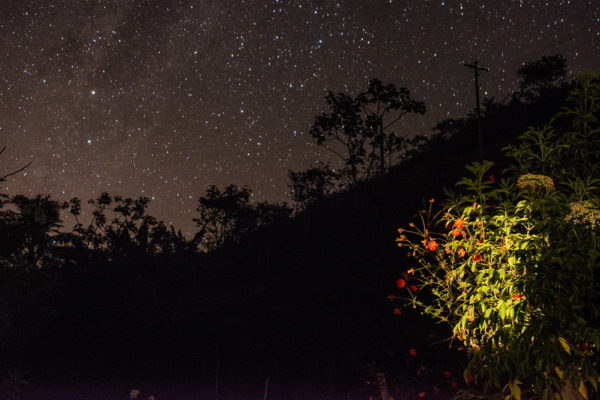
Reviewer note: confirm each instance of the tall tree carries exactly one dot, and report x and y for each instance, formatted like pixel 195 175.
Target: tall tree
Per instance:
pixel 29 231
pixel 220 214
pixel 310 185
pixel 343 132
pixel 542 74
pixel 359 129
pixel 383 107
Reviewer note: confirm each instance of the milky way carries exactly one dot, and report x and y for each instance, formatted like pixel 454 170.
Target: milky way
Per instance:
pixel 162 98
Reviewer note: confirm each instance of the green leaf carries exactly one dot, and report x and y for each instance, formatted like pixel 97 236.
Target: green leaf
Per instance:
pixel 515 390
pixel 502 310
pixel 564 344
pixel 583 389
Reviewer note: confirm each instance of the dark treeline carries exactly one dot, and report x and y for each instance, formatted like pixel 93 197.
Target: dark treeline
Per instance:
pixel 294 294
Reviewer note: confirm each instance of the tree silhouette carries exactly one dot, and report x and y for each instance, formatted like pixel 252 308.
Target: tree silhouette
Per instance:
pixel 310 185
pixel 365 120
pixel 386 102
pixel 220 214
pixel 228 215
pixel 29 231
pixel 120 228
pixel 542 74
pixel 265 213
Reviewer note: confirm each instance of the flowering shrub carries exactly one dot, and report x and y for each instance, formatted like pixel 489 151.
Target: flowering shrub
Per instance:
pixel 513 264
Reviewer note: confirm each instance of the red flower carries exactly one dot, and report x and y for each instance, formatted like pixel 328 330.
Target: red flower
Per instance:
pixel 453 384
pixel 432 245
pixel 397 311
pixel 459 223
pixel 422 394
pixel 461 252
pixel 584 346
pixel 447 374
pixel 412 352
pixel 469 378
pixel 456 232
pixel 476 257
pixel 400 283
pixel 413 288
pixel 492 178
pixel 517 297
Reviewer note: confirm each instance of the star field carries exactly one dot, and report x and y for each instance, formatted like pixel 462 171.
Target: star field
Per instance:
pixel 162 98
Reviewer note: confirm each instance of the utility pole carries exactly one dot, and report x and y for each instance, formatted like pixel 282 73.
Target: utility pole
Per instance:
pixel 476 68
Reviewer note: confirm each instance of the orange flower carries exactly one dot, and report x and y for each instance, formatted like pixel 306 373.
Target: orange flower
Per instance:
pixel 432 200
pixel 422 394
pixel 476 257
pixel 448 250
pixel 517 297
pixel 475 205
pixel 400 283
pixel 459 223
pixel 456 232
pixel 411 271
pixel 462 252
pixel 412 352
pixel 400 230
pixel 397 311
pixel 432 245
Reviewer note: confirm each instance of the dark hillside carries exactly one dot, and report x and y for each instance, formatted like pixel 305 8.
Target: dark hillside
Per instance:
pixel 303 302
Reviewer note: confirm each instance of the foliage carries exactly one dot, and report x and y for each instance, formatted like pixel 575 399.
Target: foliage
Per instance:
pixel 121 228
pixel 306 187
pixel 358 129
pixel 542 74
pixel 228 215
pixel 513 265
pixel 27 230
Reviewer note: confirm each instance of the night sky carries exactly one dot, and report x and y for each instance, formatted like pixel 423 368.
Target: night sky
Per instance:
pixel 162 98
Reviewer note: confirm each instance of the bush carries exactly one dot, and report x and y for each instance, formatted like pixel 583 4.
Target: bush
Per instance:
pixel 512 265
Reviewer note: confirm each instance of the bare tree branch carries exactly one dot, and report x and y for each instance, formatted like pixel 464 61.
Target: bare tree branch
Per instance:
pixel 3 178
